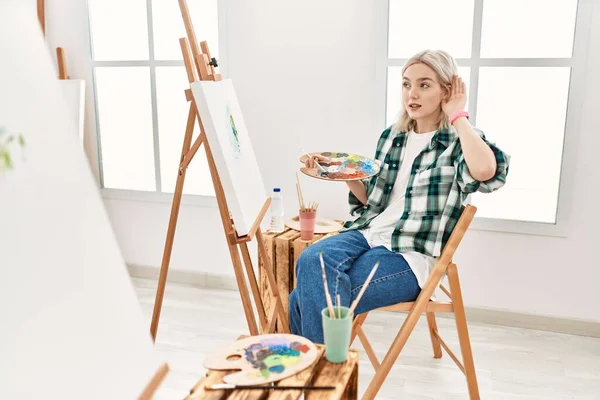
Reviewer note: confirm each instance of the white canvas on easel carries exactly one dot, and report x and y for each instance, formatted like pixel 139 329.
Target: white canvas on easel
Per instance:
pixel 232 150
pixel 72 327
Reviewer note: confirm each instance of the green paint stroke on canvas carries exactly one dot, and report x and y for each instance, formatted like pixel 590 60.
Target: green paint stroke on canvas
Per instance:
pixel 6 145
pixel 235 137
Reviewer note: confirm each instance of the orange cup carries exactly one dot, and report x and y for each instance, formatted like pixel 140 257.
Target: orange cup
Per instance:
pixel 307 218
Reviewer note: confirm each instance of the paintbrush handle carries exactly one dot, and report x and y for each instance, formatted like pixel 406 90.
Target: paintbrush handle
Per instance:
pixel 300 197
pixel 222 386
pixel 309 157
pixel 364 287
pixel 327 296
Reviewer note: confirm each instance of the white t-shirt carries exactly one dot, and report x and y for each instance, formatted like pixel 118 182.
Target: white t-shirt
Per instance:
pixel 379 232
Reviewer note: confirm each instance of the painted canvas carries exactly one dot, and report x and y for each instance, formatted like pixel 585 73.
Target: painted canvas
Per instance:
pixel 72 327
pixel 342 167
pixel 263 358
pixel 231 146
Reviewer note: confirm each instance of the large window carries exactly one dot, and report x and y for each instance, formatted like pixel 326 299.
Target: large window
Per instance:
pixel 517 58
pixel 139 81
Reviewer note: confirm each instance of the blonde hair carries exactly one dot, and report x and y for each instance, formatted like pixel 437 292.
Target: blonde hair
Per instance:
pixel 445 67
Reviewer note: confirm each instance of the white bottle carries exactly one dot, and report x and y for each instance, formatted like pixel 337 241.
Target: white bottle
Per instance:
pixel 277 224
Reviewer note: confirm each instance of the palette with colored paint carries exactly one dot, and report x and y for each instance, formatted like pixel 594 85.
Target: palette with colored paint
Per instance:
pixel 263 358
pixel 342 167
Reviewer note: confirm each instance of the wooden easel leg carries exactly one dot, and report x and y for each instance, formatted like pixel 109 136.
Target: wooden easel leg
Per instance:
pixel 282 314
pixel 164 268
pixel 150 389
pixel 463 332
pixel 254 286
pixel 241 282
pixel 437 348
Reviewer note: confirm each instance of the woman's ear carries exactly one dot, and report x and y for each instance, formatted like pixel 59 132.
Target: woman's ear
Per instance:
pixel 447 90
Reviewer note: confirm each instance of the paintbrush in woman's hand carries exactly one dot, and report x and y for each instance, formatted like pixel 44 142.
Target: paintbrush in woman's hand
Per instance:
pixel 315 161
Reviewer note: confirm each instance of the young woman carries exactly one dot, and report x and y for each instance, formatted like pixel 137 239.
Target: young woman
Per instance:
pixel 431 159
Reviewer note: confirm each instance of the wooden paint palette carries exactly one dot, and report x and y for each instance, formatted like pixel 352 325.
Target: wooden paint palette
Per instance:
pixel 263 358
pixel 342 167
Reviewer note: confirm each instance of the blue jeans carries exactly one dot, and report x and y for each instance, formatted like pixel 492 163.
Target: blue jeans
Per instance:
pixel 348 260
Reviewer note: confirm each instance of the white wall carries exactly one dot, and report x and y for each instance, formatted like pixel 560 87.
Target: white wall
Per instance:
pixel 305 74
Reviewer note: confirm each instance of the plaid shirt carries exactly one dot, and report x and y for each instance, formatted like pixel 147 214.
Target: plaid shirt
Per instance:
pixel 438 185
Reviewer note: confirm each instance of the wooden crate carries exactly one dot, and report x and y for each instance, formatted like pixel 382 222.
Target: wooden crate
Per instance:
pixel 344 376
pixel 283 250
pixel 279 247
pixel 299 246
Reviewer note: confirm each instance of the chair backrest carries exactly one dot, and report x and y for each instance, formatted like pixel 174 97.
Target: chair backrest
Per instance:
pixel 466 217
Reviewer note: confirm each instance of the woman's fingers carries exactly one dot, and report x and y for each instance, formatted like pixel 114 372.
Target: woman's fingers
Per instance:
pixel 311 162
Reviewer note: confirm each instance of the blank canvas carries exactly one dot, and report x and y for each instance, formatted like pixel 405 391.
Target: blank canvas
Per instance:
pixel 71 324
pixel 74 94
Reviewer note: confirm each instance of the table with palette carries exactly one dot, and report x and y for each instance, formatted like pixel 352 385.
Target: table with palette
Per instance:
pixel 283 250
pixel 343 376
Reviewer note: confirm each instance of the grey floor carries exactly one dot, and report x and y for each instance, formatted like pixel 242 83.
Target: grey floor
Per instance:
pixel 511 363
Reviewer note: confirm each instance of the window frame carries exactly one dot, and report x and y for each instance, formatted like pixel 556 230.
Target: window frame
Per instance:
pixel 578 63
pixel 158 195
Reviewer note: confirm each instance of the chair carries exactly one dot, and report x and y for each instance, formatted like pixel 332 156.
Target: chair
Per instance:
pixel 422 304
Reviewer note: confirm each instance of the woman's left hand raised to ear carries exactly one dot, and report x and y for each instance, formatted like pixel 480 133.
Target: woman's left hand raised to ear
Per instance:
pixel 458 97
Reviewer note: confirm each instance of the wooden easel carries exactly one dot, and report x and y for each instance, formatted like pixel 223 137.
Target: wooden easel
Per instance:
pixel 203 65
pixel 62 63
pixel 41 14
pixel 60 52
pixel 150 389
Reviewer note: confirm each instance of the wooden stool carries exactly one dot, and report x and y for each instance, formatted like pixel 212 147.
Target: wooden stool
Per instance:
pixel 343 376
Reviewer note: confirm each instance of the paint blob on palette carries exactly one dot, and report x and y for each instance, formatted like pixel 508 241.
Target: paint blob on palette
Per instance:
pixel 342 167
pixel 263 358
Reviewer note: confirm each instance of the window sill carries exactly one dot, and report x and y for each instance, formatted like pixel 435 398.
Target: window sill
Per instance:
pixel 161 198
pixel 520 227
pixel 478 224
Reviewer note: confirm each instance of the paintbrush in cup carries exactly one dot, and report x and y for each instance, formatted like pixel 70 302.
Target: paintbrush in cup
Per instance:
pixel 309 157
pixel 299 189
pixel 339 305
pixel 299 198
pixel 327 296
pixel 364 287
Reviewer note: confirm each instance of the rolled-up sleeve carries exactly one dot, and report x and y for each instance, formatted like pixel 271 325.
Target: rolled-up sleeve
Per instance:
pixel 468 184
pixel 356 207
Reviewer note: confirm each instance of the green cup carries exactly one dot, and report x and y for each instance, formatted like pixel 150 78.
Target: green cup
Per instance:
pixel 336 333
